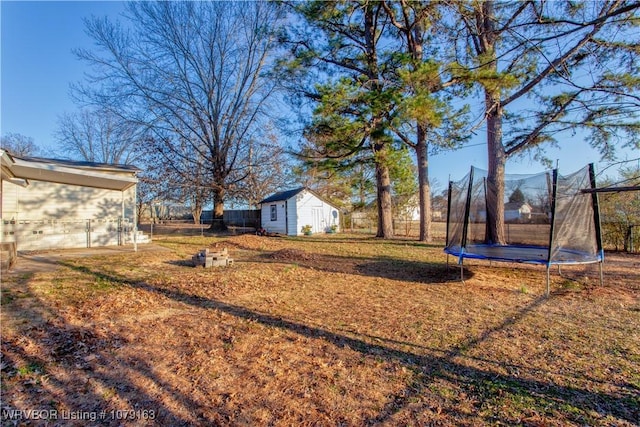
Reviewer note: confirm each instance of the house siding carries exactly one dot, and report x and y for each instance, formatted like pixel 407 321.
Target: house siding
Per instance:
pixel 306 204
pixel 9 199
pixel 43 200
pixel 279 225
pixel 49 215
pixel 293 227
pixel 315 212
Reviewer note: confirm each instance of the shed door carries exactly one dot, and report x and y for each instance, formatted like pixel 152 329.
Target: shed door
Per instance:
pixel 318 226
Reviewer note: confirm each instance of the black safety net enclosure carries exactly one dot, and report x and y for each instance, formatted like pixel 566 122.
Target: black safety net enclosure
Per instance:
pixel 544 218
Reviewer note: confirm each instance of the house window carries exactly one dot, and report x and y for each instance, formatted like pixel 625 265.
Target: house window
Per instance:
pixel 274 213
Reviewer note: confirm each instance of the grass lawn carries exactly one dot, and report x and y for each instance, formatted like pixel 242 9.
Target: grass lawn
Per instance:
pixel 321 330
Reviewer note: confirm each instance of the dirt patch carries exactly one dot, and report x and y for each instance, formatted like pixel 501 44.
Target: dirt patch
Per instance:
pixel 259 243
pixel 290 254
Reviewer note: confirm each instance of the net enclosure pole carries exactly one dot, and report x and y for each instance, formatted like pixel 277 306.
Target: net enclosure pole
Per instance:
pixel 446 239
pixel 486 211
pixel 465 224
pixel 554 196
pixel 596 217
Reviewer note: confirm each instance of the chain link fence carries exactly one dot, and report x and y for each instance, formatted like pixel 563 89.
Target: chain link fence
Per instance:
pixel 616 236
pixel 189 228
pixel 59 234
pixel 402 227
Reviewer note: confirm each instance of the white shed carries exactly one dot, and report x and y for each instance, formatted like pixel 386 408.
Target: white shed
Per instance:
pixel 50 203
pixel 287 212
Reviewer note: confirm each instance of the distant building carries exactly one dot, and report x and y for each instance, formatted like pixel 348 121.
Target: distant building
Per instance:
pixel 513 212
pixel 516 211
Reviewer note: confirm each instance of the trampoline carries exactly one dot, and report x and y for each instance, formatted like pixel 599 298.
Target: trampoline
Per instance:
pixel 521 254
pixel 548 220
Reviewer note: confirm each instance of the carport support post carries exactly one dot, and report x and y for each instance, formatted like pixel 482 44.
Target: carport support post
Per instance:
pixel 135 218
pixel 88 232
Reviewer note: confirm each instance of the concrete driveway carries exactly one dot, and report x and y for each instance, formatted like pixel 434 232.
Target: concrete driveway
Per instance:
pixel 47 260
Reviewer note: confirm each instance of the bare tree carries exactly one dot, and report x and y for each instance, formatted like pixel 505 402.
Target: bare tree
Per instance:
pixel 98 135
pixel 265 169
pixel 194 74
pixel 178 181
pixel 19 144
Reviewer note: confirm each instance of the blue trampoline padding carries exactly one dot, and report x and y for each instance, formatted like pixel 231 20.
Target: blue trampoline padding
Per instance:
pixel 522 253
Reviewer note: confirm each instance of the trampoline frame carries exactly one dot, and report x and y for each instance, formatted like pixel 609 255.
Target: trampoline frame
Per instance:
pixel 475 251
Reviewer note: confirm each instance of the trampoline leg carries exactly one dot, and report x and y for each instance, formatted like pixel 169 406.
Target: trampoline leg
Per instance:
pixel 547 280
pixel 601 278
pixel 462 271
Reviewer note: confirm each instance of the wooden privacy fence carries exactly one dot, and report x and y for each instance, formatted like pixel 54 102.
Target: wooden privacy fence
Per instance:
pixel 238 221
pixel 245 218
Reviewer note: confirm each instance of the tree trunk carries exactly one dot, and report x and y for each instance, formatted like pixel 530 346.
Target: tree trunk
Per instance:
pixel 422 146
pixel 196 206
pixel 140 208
pixel 424 189
pixel 383 177
pixel 383 186
pixel 196 213
pixel 218 211
pixel 495 148
pixel 495 174
pixel 385 213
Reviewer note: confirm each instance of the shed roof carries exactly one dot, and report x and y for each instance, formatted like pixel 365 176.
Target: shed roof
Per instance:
pixel 283 195
pixel 87 174
pixel 288 194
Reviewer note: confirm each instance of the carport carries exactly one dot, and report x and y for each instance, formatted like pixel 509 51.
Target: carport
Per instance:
pixel 53 204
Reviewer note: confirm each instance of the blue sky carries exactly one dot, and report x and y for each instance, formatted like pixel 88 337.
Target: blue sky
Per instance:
pixel 38 66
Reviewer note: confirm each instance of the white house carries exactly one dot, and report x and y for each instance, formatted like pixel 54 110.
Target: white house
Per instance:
pixel 517 211
pixel 48 203
pixel 287 212
pixel 513 212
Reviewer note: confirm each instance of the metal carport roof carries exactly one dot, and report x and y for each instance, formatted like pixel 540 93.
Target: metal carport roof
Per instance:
pixel 87 174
